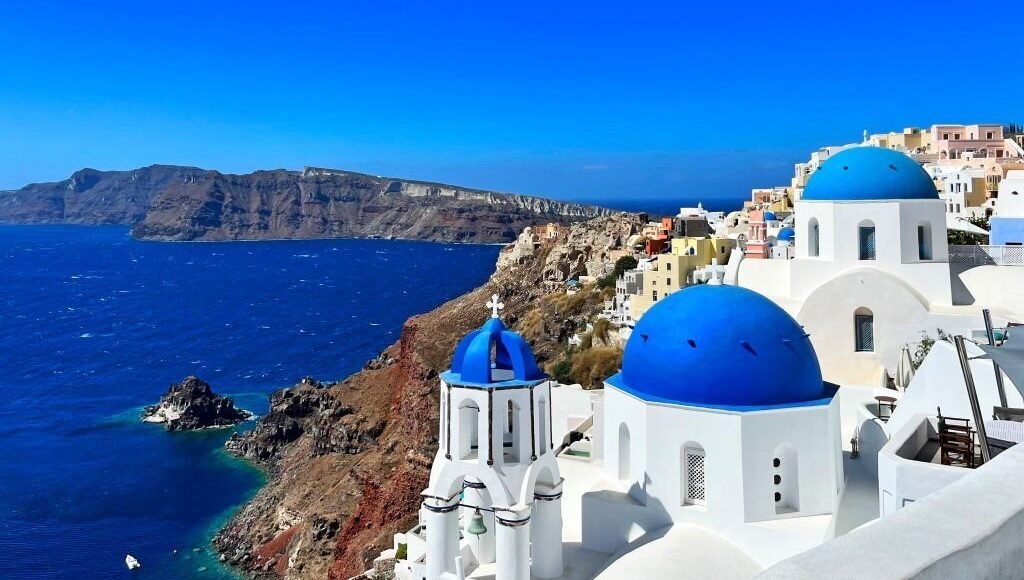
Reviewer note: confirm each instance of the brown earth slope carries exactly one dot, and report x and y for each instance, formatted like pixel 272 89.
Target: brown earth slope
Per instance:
pixel 347 461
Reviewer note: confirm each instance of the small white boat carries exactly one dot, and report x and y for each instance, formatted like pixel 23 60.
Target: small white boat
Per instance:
pixel 131 562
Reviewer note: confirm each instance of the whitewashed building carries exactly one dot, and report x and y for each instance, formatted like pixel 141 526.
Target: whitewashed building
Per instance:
pixel 719 418
pixel 494 484
pixel 871 270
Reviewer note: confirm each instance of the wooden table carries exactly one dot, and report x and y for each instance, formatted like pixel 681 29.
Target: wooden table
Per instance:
pixel 888 403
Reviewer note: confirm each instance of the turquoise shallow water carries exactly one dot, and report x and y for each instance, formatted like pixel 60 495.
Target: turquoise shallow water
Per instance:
pixel 96 325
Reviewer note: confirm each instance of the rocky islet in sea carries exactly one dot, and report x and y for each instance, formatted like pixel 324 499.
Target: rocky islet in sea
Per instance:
pixel 192 404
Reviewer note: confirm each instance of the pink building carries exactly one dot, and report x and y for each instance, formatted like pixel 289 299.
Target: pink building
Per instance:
pixel 960 141
pixel 757 238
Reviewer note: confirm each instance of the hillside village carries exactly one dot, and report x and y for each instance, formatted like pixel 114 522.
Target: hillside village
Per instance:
pixel 750 390
pixel 973 168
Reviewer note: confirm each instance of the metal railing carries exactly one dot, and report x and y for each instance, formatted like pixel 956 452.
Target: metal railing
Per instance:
pixel 987 255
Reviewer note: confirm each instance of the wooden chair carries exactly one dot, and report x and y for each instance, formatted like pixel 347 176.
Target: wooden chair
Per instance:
pixel 956 442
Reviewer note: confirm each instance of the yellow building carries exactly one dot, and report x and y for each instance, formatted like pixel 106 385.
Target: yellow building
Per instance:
pixel 672 270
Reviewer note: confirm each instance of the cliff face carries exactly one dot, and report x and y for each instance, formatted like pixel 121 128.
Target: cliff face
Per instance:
pixel 324 203
pixel 184 203
pixel 347 461
pixel 91 197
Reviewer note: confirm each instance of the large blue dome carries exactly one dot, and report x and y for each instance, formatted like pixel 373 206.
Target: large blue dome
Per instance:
pixel 722 347
pixel 493 356
pixel 869 173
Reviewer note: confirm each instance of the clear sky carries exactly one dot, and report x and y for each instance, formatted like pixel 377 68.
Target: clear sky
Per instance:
pixel 565 98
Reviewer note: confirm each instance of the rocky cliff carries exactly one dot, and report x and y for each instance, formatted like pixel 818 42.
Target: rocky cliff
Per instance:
pixel 91 197
pixel 185 203
pixel 348 460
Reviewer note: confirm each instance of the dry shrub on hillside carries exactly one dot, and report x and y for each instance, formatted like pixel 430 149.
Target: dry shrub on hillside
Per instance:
pixel 592 366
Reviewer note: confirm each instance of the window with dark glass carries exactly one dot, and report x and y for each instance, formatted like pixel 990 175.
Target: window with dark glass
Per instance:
pixel 867 242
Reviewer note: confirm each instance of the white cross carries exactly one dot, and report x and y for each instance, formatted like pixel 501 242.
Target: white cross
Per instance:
pixel 494 305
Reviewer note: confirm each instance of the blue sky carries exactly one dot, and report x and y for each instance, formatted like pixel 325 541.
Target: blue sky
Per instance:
pixel 565 98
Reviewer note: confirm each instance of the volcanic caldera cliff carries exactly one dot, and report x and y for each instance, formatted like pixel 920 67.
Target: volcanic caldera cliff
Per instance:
pixel 172 203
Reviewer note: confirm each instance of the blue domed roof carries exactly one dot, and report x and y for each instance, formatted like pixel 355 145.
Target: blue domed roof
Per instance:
pixel 493 356
pixel 869 173
pixel 769 216
pixel 724 347
pixel 786 235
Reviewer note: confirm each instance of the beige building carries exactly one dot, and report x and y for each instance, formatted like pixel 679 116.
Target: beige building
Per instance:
pixel 672 271
pixel 910 140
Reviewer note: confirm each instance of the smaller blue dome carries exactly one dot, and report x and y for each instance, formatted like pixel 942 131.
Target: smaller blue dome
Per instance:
pixel 769 216
pixel 786 235
pixel 493 356
pixel 869 173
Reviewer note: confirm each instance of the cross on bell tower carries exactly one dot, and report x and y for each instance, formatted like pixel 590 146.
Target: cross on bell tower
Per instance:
pixel 494 305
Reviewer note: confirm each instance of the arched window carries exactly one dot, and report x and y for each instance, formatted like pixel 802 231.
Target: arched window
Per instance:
pixel 924 242
pixel 510 442
pixel 785 480
pixel 469 434
pixel 863 330
pixel 866 240
pixel 813 238
pixel 624 450
pixel 692 485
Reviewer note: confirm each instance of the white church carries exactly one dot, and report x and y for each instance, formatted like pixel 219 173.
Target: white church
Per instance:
pixel 495 471
pixel 871 270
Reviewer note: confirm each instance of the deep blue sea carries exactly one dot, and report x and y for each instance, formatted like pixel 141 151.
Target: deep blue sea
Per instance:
pixel 96 325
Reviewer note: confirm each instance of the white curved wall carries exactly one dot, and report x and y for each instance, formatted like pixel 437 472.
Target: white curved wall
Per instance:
pixel 827 315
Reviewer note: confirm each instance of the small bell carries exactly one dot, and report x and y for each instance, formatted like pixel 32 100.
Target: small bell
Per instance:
pixel 476 524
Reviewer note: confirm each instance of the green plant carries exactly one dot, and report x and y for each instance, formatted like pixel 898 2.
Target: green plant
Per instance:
pixel 402 552
pixel 561 370
pixel 960 238
pixel 621 265
pixel 925 346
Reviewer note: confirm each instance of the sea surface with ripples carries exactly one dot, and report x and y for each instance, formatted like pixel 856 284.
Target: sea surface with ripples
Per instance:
pixel 95 325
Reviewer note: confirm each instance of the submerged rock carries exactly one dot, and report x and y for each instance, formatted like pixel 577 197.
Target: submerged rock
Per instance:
pixel 191 404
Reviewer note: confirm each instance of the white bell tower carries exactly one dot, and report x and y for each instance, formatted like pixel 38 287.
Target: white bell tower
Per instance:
pixel 494 477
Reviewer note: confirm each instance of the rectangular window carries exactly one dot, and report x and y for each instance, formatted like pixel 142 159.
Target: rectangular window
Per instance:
pixel 654 296
pixel 668 266
pixel 694 476
pixel 864 332
pixel 668 281
pixel 958 208
pixel 867 243
pixel 945 136
pixel 956 136
pixel 988 135
pixel 924 243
